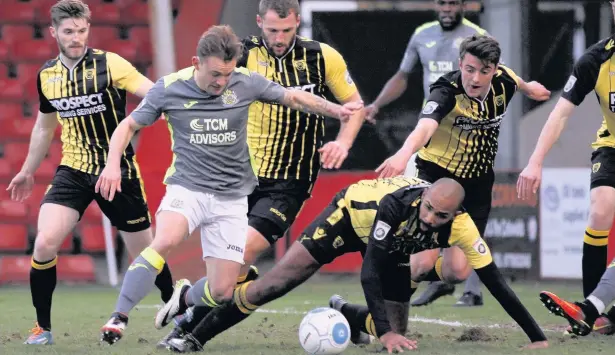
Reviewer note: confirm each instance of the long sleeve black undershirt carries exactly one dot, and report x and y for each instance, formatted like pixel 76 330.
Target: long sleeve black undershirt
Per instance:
pixel 494 281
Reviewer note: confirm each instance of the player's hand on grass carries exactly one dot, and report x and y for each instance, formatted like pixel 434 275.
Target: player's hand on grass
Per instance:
pixel 109 182
pixel 370 113
pixel 536 91
pixel 393 166
pixel 349 109
pixel 397 342
pixel 20 187
pixel 529 181
pixel 537 345
pixel 333 154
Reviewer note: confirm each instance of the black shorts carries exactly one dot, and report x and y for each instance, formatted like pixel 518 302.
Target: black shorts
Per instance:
pixel 75 189
pixel 603 167
pixel 331 235
pixel 274 205
pixel 478 191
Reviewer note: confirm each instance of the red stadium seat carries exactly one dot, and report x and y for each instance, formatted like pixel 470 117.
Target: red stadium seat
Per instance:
pixel 6 171
pixel 136 13
pixel 16 129
pixel 46 170
pixel 4 195
pixel 12 89
pixel 27 72
pixel 17 33
pixel 13 211
pixel 55 152
pixel 15 152
pixel 76 268
pixel 124 49
pixel 33 50
pixel 141 38
pixel 43 7
pixel 14 11
pixel 105 13
pixel 92 214
pixel 13 237
pixel 67 244
pixel 15 269
pixel 71 268
pixel 34 201
pixel 10 110
pixel 4 50
pixel 100 35
pixel 92 238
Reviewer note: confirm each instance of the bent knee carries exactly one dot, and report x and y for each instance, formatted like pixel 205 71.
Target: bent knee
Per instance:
pixel 420 267
pixel 456 273
pixel 46 245
pixel 221 294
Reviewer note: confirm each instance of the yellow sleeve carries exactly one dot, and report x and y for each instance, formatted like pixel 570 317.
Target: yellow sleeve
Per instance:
pixel 506 70
pixel 337 77
pixel 465 235
pixel 123 74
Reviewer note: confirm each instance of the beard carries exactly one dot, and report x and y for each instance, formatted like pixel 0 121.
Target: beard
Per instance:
pixel 453 24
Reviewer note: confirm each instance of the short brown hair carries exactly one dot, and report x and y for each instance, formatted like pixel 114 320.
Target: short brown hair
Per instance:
pixel 282 7
pixel 64 9
pixel 483 47
pixel 219 41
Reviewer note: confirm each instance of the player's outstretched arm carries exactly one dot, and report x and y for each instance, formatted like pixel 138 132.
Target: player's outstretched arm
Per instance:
pixel 110 178
pixel 40 141
pixel 396 164
pixel 309 103
pixel 333 154
pixel 391 91
pixel 494 281
pixel 534 90
pixel 377 263
pixel 530 177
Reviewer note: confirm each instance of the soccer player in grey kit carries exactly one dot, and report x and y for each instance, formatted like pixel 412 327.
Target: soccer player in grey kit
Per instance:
pixel 435 45
pixel 206 109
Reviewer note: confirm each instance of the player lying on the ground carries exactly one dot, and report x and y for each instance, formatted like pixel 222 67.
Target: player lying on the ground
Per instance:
pixel 386 220
pixel 587 315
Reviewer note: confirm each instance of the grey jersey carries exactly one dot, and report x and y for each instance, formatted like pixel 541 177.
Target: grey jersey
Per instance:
pixel 208 133
pixel 438 50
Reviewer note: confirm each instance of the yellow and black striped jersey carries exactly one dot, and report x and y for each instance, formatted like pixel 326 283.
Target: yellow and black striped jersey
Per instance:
pixel 466 140
pixel 387 211
pixel 90 101
pixel 595 71
pixel 284 143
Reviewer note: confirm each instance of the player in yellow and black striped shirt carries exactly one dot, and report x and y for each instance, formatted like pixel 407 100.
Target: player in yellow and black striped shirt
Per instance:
pixel 458 129
pixel 83 89
pixel 592 72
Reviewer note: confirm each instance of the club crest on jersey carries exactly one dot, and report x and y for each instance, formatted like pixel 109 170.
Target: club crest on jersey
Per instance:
pixel 457 42
pixel 499 100
pixel 430 107
pixel 301 65
pixel 570 83
pixel 381 230
pixel 479 246
pixel 229 98
pixel 348 78
pixel 89 74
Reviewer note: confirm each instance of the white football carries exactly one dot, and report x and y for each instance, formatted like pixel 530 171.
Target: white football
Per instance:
pixel 324 331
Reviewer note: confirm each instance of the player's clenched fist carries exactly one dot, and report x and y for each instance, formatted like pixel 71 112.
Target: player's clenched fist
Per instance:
pixel 109 181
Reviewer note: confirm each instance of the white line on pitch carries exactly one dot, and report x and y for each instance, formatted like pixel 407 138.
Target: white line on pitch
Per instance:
pixel 412 319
